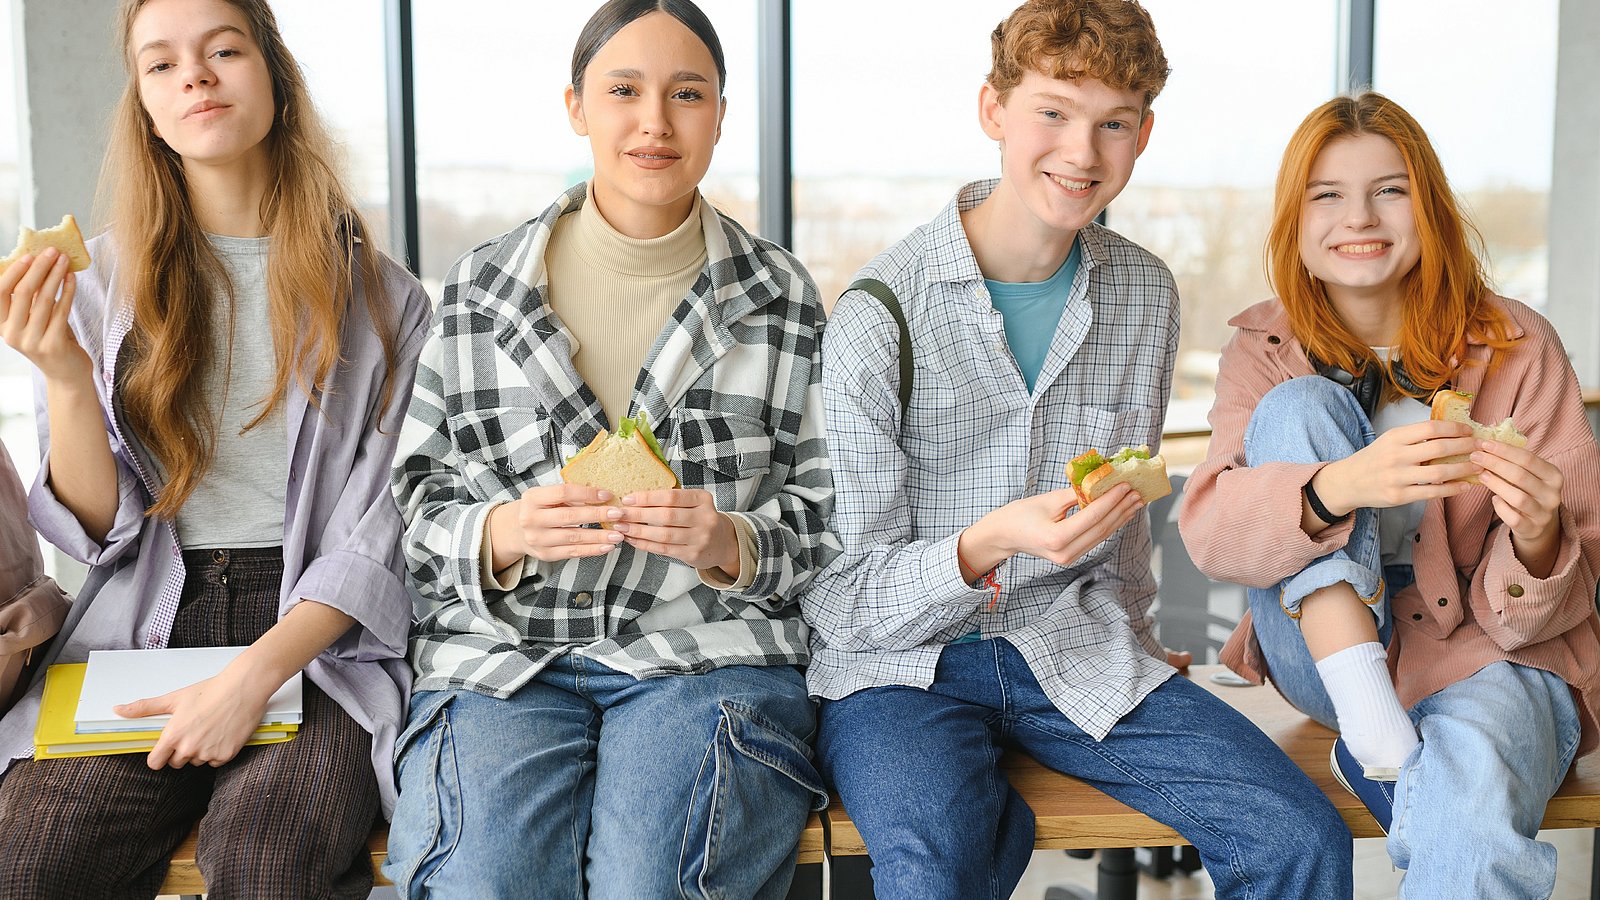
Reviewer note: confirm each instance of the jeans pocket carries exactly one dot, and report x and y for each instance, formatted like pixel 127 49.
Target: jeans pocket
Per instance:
pixel 756 787
pixel 427 816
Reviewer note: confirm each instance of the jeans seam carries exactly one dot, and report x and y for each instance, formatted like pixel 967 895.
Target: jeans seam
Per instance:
pixel 577 789
pixel 999 800
pixel 1397 823
pixel 1098 748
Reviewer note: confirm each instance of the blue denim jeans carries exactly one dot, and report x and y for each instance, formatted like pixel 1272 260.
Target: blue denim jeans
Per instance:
pixel 918 770
pixel 589 782
pixel 1495 746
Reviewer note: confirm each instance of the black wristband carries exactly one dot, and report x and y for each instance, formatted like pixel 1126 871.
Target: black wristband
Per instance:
pixel 1318 510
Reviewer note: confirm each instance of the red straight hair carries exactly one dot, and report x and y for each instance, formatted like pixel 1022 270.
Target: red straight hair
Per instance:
pixel 1444 299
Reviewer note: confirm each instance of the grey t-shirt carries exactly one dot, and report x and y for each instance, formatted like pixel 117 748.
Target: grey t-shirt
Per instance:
pixel 240 501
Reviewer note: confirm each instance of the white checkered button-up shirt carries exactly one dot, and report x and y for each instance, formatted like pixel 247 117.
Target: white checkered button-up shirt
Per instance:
pixel 974 440
pixel 732 388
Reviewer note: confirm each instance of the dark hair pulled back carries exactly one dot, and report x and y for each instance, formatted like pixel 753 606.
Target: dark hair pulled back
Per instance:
pixel 614 15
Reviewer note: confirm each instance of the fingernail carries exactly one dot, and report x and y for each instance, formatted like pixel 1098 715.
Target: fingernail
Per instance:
pixel 613 513
pixel 620 528
pixel 614 537
pixel 627 499
pixel 604 496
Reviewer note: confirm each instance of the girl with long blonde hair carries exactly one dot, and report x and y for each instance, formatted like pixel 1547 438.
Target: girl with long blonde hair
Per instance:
pixel 220 394
pixel 1427 593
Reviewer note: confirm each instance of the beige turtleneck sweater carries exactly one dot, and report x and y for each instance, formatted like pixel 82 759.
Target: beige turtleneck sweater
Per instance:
pixel 614 294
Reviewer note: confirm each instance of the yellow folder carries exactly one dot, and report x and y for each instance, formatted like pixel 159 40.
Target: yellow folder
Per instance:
pixel 56 736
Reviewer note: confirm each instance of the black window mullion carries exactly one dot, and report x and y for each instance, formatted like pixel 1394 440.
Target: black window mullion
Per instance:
pixel 775 161
pixel 405 232
pixel 1357 27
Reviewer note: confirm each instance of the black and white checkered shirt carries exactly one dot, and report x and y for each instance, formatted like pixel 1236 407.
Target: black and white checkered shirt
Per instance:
pixel 973 440
pixel 498 406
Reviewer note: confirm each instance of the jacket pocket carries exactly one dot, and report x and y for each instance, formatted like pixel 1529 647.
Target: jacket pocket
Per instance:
pixel 727 454
pixel 756 789
pixel 427 818
pixel 503 451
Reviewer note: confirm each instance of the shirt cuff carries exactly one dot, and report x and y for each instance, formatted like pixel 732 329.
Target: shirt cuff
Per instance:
pixel 505 579
pixel 716 577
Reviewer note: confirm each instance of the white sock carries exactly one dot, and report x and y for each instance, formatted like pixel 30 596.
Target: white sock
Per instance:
pixel 1371 720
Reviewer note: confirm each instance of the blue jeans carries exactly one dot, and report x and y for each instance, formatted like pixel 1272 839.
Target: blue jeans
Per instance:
pixel 1495 746
pixel 589 782
pixel 918 770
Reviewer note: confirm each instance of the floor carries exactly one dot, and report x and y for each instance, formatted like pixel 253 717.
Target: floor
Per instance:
pixel 1376 877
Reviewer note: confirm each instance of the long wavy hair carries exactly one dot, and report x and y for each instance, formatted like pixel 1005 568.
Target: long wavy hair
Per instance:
pixel 170 276
pixel 1444 298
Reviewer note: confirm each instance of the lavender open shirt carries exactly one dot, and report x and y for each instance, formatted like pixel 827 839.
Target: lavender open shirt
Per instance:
pixel 341 530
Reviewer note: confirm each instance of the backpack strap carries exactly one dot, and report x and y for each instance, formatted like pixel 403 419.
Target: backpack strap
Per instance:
pixel 886 296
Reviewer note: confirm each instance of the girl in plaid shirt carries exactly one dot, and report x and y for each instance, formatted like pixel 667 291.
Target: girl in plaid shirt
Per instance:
pixel 615 711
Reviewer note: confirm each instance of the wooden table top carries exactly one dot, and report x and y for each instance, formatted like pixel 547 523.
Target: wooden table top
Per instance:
pixel 1073 815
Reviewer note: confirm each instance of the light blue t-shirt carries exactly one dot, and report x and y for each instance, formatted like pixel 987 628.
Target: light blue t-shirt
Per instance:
pixel 1031 310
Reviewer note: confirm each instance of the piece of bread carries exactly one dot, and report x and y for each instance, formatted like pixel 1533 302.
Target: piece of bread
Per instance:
pixel 621 465
pixel 1455 406
pixel 1147 476
pixel 64 237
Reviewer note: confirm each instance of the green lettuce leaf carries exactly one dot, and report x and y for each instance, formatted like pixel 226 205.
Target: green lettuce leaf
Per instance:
pixel 1086 464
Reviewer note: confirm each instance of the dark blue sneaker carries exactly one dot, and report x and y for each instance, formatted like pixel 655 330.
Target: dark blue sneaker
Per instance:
pixel 1376 794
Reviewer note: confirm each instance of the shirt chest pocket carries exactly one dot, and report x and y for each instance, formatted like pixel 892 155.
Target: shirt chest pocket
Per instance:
pixel 727 454
pixel 504 451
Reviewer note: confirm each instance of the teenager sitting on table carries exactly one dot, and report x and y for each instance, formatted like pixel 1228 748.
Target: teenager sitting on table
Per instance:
pixel 1446 629
pixel 974 608
pixel 616 713
pixel 220 397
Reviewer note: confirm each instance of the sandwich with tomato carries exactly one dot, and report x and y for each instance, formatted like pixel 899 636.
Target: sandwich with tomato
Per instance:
pixel 1093 474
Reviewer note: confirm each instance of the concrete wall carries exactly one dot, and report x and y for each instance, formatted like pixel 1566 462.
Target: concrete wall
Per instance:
pixel 68 76
pixel 68 79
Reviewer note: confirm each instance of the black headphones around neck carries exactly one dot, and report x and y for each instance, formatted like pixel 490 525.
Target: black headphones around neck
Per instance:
pixel 1368 386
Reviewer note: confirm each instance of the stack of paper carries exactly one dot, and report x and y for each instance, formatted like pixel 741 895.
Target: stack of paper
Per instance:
pixel 75 717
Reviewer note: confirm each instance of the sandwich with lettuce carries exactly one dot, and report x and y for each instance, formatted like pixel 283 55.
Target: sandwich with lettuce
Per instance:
pixel 1093 474
pixel 623 462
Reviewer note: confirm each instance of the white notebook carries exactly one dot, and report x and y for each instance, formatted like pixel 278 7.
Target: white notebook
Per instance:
pixel 122 676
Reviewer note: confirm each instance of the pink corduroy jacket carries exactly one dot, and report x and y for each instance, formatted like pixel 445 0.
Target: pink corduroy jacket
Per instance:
pixel 1473 602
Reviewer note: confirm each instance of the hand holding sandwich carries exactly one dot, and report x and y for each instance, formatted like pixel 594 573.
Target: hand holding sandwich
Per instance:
pixel 648 508
pixel 1040 526
pixel 546 523
pixel 1526 493
pixel 1394 470
pixel 682 523
pixel 36 294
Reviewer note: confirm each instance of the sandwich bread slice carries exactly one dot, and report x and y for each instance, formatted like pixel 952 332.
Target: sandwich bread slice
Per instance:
pixel 64 237
pixel 1456 406
pixel 1093 474
pixel 623 462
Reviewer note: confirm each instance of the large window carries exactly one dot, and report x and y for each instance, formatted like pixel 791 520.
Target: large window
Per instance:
pixel 16 391
pixel 1484 89
pixel 885 123
pixel 494 147
pixel 1201 195
pixel 340 47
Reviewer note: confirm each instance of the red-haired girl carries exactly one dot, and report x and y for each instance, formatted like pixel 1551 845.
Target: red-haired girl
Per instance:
pixel 1445 628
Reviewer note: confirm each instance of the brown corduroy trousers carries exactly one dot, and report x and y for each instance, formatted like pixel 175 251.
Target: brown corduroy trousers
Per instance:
pixel 281 820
